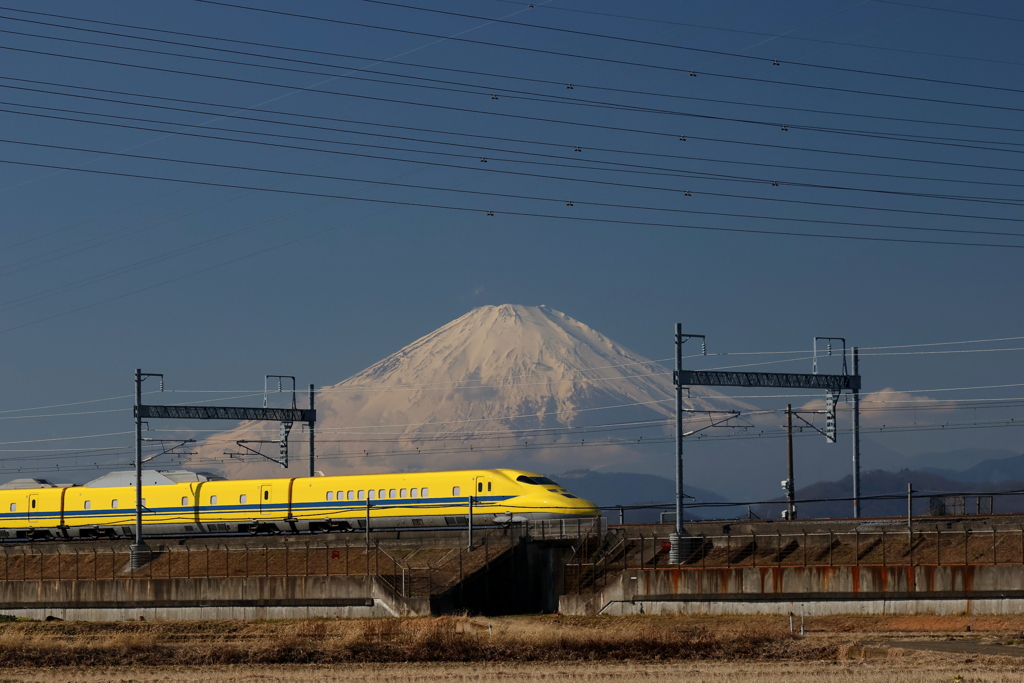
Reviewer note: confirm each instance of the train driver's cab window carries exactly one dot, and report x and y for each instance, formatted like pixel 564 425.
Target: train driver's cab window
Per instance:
pixel 115 503
pixel 424 493
pixel 330 495
pixel 362 495
pixel 243 499
pixel 456 490
pixel 213 500
pixel 184 501
pixel 413 493
pixel 87 505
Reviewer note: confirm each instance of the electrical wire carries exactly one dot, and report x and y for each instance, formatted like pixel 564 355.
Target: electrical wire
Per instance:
pixel 557 200
pixel 720 53
pixel 389 62
pixel 483 90
pixel 608 60
pixel 514 213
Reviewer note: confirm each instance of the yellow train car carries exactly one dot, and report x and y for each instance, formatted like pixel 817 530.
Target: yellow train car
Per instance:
pixel 184 502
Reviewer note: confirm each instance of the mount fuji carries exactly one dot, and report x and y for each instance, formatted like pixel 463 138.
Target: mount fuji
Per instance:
pixel 508 385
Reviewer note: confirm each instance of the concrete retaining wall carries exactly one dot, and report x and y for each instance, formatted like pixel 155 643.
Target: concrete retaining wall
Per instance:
pixel 221 598
pixel 873 589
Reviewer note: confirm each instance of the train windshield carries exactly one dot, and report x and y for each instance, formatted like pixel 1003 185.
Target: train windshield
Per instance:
pixel 539 481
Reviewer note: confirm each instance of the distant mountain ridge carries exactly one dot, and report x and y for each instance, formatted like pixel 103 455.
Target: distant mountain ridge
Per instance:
pixel 608 489
pixel 1001 469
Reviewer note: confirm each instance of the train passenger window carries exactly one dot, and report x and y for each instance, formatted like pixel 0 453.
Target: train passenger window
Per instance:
pixel 330 495
pixel 424 493
pixel 143 503
pixel 456 490
pixel 372 494
pixel 184 501
pixel 14 507
pixel 243 499
pixel 382 494
pixel 351 495
pixel 401 494
pixel 413 492
pixel 213 500
pixel 86 506
pixel 479 487
pixel 392 494
pixel 362 495
pixel 114 503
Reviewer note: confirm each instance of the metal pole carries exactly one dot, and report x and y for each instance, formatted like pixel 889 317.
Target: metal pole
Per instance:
pixel 674 539
pixel 790 486
pixel 139 550
pixel 469 544
pixel 367 530
pixel 312 444
pixel 856 436
pixel 910 523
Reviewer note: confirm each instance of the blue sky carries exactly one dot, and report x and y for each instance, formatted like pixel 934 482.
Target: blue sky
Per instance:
pixel 216 286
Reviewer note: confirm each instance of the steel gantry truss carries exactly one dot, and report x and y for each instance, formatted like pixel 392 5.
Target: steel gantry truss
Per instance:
pixel 286 416
pixel 834 384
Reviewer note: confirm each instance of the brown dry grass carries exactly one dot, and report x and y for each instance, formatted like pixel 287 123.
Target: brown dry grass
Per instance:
pixel 443 639
pixel 915 671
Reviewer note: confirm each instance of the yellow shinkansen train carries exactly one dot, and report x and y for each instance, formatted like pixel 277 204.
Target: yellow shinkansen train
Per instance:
pixel 184 502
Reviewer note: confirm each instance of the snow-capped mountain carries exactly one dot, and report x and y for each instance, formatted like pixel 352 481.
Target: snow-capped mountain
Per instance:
pixel 500 385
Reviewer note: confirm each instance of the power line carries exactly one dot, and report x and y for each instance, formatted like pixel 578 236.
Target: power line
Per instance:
pixel 535 97
pixel 721 53
pixel 758 33
pixel 615 61
pixel 952 11
pixel 478 168
pixel 389 62
pixel 665 134
pixel 902 176
pixel 513 213
pixel 558 200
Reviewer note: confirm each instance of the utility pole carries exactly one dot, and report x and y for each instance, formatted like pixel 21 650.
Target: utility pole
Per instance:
pixel 139 551
pixel 856 435
pixel 910 522
pixel 790 485
pixel 675 538
pixel 312 442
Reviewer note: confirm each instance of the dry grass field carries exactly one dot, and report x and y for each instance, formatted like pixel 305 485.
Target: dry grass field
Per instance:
pixel 454 649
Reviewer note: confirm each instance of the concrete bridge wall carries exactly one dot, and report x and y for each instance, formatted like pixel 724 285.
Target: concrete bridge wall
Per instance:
pixel 216 598
pixel 950 589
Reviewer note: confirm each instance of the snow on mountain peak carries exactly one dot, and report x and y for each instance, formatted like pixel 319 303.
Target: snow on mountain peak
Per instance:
pixel 488 374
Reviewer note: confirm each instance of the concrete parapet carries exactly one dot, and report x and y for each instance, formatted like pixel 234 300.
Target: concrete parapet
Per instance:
pixel 219 598
pixel 947 589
